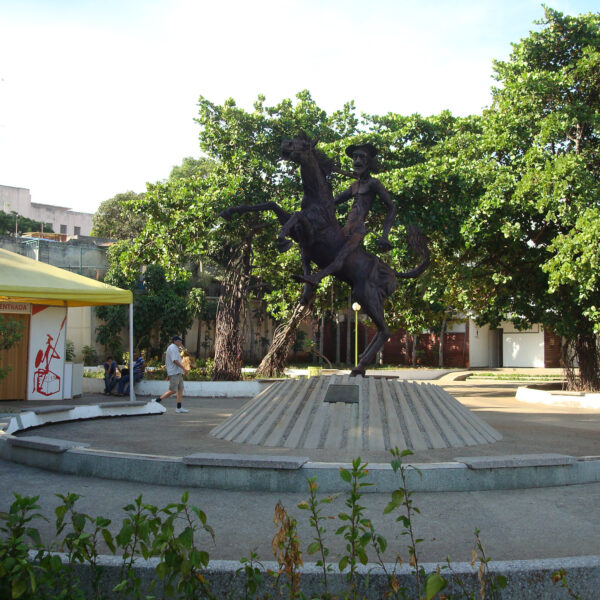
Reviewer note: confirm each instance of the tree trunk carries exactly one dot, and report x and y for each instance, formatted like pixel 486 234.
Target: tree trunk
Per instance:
pixel 274 361
pixel 587 352
pixel 252 334
pixel 415 340
pixel 338 333
pixel 314 336
pixel 233 294
pixel 199 338
pixel 441 348
pixel 322 340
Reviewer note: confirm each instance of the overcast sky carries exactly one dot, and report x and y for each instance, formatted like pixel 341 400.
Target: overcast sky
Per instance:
pixel 98 97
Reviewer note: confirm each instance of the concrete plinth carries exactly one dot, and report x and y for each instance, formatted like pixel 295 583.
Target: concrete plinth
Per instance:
pixel 322 412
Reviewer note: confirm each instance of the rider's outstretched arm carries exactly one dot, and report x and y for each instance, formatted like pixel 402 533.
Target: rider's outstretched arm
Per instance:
pixel 344 196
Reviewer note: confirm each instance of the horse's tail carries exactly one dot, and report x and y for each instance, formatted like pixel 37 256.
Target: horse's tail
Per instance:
pixel 418 243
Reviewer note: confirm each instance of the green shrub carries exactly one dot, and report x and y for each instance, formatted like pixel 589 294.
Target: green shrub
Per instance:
pixel 69 351
pixel 90 356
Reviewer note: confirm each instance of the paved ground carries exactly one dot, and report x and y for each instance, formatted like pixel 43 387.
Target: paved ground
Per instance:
pixel 526 428
pixel 544 523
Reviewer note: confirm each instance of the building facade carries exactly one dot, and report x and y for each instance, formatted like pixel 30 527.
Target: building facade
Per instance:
pixel 59 218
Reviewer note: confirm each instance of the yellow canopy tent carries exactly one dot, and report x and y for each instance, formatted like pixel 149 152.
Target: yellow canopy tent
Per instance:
pixel 25 280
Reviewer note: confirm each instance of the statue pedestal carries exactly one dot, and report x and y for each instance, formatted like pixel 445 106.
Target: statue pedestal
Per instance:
pixel 339 412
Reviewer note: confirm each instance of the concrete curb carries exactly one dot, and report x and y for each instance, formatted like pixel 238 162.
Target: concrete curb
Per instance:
pixel 271 476
pixel 455 376
pixel 525 579
pixel 267 472
pixel 558 398
pixel 45 415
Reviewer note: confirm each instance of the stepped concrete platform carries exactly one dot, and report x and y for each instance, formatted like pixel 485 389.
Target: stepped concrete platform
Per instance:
pixel 178 448
pixel 355 413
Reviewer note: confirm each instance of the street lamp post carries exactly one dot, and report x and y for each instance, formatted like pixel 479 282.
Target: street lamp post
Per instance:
pixel 356 307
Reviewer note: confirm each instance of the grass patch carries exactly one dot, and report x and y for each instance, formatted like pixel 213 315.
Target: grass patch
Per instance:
pixel 515 377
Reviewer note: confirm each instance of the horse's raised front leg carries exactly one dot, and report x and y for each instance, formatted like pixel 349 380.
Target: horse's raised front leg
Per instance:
pixel 306 234
pixel 283 244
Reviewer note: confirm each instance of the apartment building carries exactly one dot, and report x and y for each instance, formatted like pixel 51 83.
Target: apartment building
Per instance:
pixel 60 218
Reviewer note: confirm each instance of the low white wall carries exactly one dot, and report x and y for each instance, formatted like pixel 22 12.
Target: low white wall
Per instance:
pixel 557 398
pixel 192 389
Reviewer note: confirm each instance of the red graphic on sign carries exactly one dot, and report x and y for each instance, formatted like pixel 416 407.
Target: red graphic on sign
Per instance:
pixel 45 381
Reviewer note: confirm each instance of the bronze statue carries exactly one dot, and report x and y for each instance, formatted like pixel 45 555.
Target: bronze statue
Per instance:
pixel 363 190
pixel 336 250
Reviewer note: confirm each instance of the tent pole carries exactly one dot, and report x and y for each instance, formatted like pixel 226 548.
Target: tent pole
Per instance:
pixel 131 382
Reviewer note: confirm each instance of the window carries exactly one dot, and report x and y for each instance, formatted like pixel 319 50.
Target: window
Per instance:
pixel 63 229
pixel 76 230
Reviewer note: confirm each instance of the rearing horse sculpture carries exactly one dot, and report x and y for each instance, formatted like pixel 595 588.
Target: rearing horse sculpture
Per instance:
pixel 320 238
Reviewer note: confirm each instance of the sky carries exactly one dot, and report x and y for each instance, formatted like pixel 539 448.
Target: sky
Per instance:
pixel 98 97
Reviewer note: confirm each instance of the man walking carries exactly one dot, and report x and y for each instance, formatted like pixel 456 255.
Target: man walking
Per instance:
pixel 175 373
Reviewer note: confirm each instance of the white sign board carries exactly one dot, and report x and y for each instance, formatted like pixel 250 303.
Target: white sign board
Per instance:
pixel 15 308
pixel 46 364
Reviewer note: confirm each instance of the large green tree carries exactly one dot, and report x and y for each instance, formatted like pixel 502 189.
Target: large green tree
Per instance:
pixel 532 240
pixel 114 220
pixel 183 213
pixel 160 306
pixel 192 167
pixel 184 225
pixel 161 310
pixel 13 221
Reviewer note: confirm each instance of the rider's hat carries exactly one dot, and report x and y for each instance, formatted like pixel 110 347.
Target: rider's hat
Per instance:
pixel 368 148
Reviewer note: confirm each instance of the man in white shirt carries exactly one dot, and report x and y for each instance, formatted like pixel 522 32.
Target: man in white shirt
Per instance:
pixel 175 373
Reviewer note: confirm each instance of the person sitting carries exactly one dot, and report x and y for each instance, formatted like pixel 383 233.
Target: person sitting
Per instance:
pixel 110 375
pixel 139 368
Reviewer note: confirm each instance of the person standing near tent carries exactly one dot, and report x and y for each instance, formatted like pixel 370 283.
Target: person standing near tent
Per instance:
pixel 175 373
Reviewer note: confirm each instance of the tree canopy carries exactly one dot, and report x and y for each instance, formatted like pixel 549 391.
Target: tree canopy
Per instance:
pixel 114 220
pixel 509 199
pixel 531 239
pixel 13 220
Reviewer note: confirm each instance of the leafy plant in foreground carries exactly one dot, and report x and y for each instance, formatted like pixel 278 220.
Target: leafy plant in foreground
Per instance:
pixel 402 497
pixel 181 560
pixel 357 528
pixel 316 519
pixel 286 548
pixel 81 546
pixel 135 537
pixel 17 573
pixel 251 567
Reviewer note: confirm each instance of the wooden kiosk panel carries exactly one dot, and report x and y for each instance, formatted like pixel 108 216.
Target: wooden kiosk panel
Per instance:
pixel 14 385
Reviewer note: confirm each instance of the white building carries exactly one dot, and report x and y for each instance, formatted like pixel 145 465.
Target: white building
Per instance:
pixel 59 218
pixel 509 347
